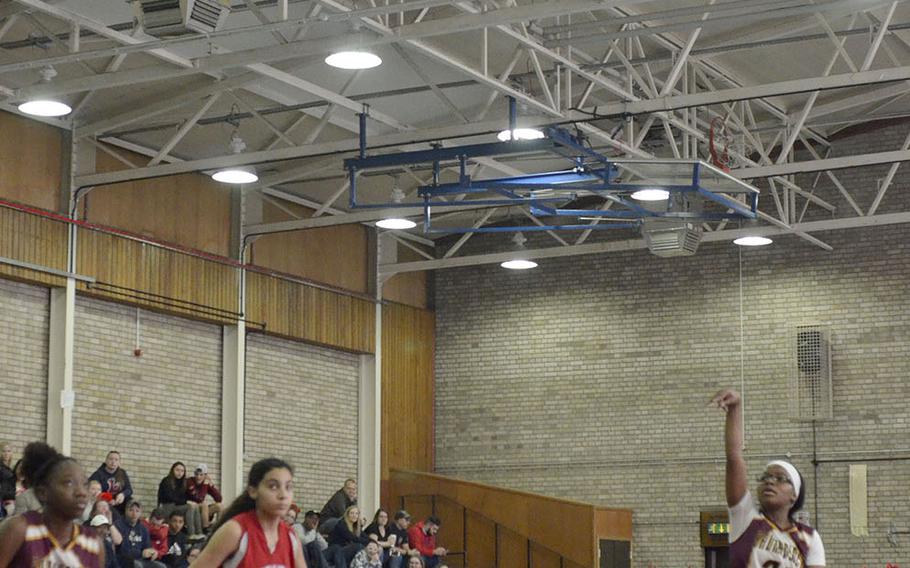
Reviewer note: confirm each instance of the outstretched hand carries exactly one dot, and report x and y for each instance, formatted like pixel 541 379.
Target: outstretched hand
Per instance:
pixel 726 399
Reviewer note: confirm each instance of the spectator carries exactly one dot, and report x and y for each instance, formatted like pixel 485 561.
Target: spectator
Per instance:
pixel 7 481
pixel 399 528
pixel 369 557
pixel 158 530
pixel 201 513
pixel 422 537
pixel 341 501
pixel 94 491
pixel 103 508
pixel 177 547
pixel 26 500
pixel 416 561
pixel 346 539
pixel 59 484
pixel 135 551
pixel 102 526
pixel 172 496
pixel 379 532
pixel 314 544
pixel 114 480
pixel 193 554
pixel 243 533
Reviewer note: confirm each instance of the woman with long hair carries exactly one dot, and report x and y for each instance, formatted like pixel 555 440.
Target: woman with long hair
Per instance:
pixel 378 531
pixel 767 535
pixel 346 538
pixel 251 532
pixel 53 536
pixel 172 496
pixel 7 480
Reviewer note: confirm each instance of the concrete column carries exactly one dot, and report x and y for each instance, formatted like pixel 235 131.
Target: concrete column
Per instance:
pixel 233 385
pixel 369 428
pixel 60 394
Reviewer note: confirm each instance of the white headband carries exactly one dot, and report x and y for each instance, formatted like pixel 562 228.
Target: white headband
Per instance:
pixel 791 472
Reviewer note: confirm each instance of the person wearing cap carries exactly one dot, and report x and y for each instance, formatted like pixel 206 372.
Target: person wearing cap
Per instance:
pixel 136 549
pixel 198 488
pixel 766 535
pixel 314 544
pixel 102 527
pixel 399 527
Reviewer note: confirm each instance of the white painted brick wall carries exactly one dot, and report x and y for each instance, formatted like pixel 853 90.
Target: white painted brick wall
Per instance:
pixel 162 407
pixel 302 407
pixel 23 363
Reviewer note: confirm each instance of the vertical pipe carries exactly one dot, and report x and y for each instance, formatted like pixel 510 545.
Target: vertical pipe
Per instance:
pixel 363 132
pixel 513 116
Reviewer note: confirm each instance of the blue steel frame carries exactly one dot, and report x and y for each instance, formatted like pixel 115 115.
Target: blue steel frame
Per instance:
pixel 592 172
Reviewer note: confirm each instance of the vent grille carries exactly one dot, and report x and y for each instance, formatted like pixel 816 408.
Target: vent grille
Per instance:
pixel 671 238
pixel 811 373
pixel 176 17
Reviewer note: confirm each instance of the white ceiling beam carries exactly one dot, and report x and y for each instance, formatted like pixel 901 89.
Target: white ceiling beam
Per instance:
pixel 879 36
pixel 638 244
pixel 809 166
pixel 183 130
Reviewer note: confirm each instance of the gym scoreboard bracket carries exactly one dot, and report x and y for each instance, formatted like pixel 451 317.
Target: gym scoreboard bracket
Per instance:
pixel 715 529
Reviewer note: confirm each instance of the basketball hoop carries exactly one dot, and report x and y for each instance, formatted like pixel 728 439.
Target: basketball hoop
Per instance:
pixel 720 139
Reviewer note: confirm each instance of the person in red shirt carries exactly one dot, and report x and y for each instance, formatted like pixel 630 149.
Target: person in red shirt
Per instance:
pixel 198 488
pixel 251 533
pixel 157 532
pixel 422 537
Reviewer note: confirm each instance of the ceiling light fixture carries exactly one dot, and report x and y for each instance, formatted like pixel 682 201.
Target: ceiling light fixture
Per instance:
pixel 752 241
pixel 353 60
pixel 239 174
pixel 519 263
pixel 396 223
pixel 653 194
pixel 45 107
pixel 520 134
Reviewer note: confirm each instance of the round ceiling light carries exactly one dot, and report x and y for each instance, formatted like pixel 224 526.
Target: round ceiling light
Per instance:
pixel 519 264
pixel 396 224
pixel 45 108
pixel 236 176
pixel 520 134
pixel 353 60
pixel 651 195
pixel 752 241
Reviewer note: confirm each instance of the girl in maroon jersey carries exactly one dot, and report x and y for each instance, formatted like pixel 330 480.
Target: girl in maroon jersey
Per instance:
pixel 252 533
pixel 51 538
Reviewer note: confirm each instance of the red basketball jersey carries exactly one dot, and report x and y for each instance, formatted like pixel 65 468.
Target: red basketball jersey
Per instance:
pixel 253 550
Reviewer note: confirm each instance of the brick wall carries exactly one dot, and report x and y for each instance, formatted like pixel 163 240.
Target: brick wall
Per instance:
pixel 587 378
pixel 23 364
pixel 302 407
pixel 162 407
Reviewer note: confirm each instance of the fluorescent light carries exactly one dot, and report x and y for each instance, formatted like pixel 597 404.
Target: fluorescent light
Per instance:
pixel 236 175
pixel 651 195
pixel 519 264
pixel 520 134
pixel 353 60
pixel 752 241
pixel 45 108
pixel 396 224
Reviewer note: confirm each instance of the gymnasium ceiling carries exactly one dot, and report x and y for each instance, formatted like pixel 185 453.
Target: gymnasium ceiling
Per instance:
pixel 448 66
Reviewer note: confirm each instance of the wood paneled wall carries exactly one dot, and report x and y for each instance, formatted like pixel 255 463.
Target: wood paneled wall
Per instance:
pixel 336 256
pixel 33 239
pixel 30 161
pixel 191 210
pixel 408 358
pixel 523 523
pixel 408 288
pixel 295 310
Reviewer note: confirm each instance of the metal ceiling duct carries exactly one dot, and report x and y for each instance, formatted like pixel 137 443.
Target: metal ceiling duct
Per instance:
pixel 671 237
pixel 177 17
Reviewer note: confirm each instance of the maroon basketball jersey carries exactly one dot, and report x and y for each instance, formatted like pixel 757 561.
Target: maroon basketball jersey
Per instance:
pixel 41 550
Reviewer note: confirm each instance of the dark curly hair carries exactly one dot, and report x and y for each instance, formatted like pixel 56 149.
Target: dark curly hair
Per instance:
pixel 39 461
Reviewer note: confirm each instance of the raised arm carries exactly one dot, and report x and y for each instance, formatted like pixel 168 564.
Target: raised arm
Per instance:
pixel 737 484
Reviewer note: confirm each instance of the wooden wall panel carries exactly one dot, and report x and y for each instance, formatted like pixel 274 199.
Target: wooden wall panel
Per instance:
pixel 31 156
pixel 337 256
pixel 33 239
pixel 419 506
pixel 513 549
pixel 543 558
pixel 409 288
pixel 408 358
pixel 481 540
pixel 299 311
pixel 451 533
pixel 191 210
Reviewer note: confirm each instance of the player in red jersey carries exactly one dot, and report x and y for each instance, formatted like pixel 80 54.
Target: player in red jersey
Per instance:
pixel 251 532
pixel 53 537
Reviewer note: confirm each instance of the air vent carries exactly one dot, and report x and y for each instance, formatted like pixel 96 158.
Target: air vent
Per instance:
pixel 811 373
pixel 178 17
pixel 669 237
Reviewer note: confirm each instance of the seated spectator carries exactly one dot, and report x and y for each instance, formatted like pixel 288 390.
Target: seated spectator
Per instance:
pixel 198 488
pixel 135 551
pixel 26 500
pixel 172 496
pixel 291 516
pixel 193 554
pixel 346 539
pixel 314 544
pixel 334 509
pixel 103 508
pixel 7 481
pixel 399 528
pixel 422 537
pixel 177 545
pixel 102 526
pixel 114 480
pixel 379 532
pixel 94 491
pixel 158 530
pixel 369 557
pixel 416 561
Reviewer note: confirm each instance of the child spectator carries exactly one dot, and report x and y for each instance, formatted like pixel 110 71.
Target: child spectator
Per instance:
pixel 197 489
pixel 114 480
pixel 51 537
pixel 7 481
pixel 135 551
pixel 178 549
pixel 157 532
pixel 102 527
pixel 369 557
pixel 94 490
